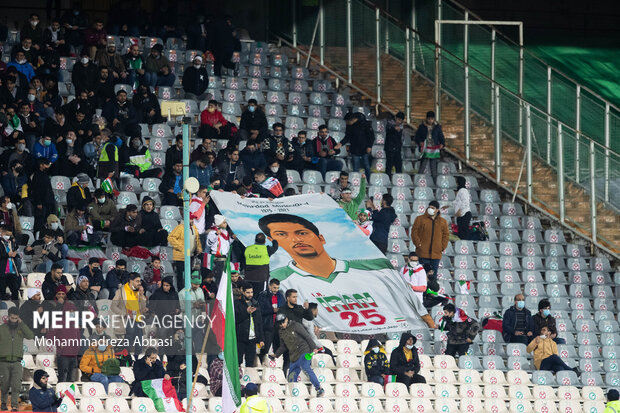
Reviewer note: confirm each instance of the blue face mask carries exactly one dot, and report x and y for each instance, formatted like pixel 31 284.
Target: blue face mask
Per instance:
pixel 102 348
pixel 251 108
pixel 546 312
pixel 47 143
pixel 520 305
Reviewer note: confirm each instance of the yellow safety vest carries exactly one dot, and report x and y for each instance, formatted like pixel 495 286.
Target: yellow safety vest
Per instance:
pixel 256 255
pixel 104 154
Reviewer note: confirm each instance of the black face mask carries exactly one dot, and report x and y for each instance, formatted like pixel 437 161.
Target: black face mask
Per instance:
pixel 216 187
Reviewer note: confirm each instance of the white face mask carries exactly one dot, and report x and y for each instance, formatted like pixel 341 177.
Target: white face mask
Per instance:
pixel 543 336
pixel 31 98
pixel 274 170
pixel 21 62
pixel 197 66
pixel 375 349
pixel 84 60
pixel 431 211
pixel 54 225
pixel 6 237
pixel 69 141
pixel 101 200
pixel 409 346
pixel 10 206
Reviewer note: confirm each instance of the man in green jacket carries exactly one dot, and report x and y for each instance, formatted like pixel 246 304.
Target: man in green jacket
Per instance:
pixel 613 405
pixel 102 210
pixel 12 335
pixel 352 205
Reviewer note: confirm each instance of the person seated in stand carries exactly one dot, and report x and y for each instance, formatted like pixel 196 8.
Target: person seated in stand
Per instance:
pixel 153 275
pixel 137 161
pixel 462 330
pixel 404 361
pixel 303 156
pixel 126 227
pixel 102 210
pixel 276 169
pixel 543 318
pixel 278 146
pixel 172 186
pixel 93 272
pixel 148 367
pixel 158 68
pixel 53 279
pixel 116 277
pixel 174 154
pixel 93 361
pixel 147 106
pixel 45 252
pixel 253 159
pixel 196 80
pixel 79 193
pixel 325 149
pixel 213 124
pixel 545 353
pixel 376 364
pixel 253 126
pixel 517 323
pixel 257 188
pixel 79 229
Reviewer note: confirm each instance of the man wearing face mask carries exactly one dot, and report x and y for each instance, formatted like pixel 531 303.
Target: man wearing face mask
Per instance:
pixel 9 219
pixel 102 210
pixel 430 235
pixel 32 30
pixel 376 362
pixel 545 354
pixel 404 361
pixel 10 261
pixel 45 148
pixel 45 252
pixel 196 80
pixel 84 75
pixel 517 323
pixel 12 335
pixel 253 126
pixel 22 65
pixel 543 318
pixel 93 360
pixel 72 160
pixel 21 155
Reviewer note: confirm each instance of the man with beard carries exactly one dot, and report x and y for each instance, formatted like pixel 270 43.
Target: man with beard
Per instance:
pixel 151 233
pixel 249 326
pixel 130 303
pixel 147 106
pixel 29 308
pixel 42 396
pixel 12 335
pixel 104 88
pixel 120 115
pixel 53 280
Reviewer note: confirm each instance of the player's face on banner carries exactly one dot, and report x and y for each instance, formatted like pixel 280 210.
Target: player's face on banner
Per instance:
pixel 297 239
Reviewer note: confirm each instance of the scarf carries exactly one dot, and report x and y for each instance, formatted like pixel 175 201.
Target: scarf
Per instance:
pixel 201 209
pixel 132 303
pixel 81 190
pixel 10 267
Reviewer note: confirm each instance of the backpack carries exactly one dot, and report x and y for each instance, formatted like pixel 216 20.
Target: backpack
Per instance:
pixel 110 367
pixel 478 231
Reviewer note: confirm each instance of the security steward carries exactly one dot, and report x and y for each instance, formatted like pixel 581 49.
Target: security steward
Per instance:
pixel 257 262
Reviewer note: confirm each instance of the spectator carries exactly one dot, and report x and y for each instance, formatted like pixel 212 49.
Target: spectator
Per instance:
pixel 208 286
pixel 313 331
pixel 376 362
pixel 10 261
pixel 12 335
pixel 394 144
pixel 72 160
pixel 364 223
pixel 213 124
pixel 116 277
pixel 325 149
pixel 95 360
pixel 102 210
pixel 257 262
pixel 83 297
pixel 45 252
pixel 276 170
pixel 172 186
pixel 196 81
pixel 130 303
pixel 277 145
pixel 83 103
pixel 135 64
pixel 10 220
pixel 109 58
pixel 430 140
pixel 295 340
pixel 30 53
pixel 202 170
pixel 84 75
pixel 30 122
pixel 93 272
pixel 151 231
pixel 337 188
pixel 29 308
pixel 95 39
pixel 543 318
pixel 303 156
pixel 198 210
pixel 382 218
pixel 197 302
pixel 74 22
pixel 147 106
pixel 10 95
pixel 545 353
pixel 174 154
pixel 235 282
pixel 20 154
pixel 414 275
pixel 104 88
pixel 79 193
pixel 430 235
pixel 121 115
pixel 54 279
pixel 253 402
pixel 67 355
pixel 517 323
pixel 253 126
pixel 352 205
pixel 163 302
pixel 206 148
pixel 359 138
pixel 79 229
pixel 270 301
pixel 232 170
pixel 49 63
pixel 44 148
pixel 126 227
pixel 294 311
pixel 54 36
pixel 107 164
pixel 613 405
pixel 13 181
pixel 221 41
pixel 22 65
pixel 404 361
pixel 197 33
pixel 176 241
pixel 42 396
pixel 153 274
pixel 57 126
pixel 462 209
pixel 41 195
pixel 158 68
pixel 256 188
pixel 249 325
pixel 218 246
pixel 32 30
pixel 149 367
pixel 215 375
pixel 462 330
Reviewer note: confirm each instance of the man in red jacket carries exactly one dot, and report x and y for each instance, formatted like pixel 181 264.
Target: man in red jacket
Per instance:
pixel 213 125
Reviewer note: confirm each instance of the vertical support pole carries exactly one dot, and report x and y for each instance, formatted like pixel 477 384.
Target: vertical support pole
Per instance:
pixel 577 135
pixel 387 28
pixel 549 114
pixel 528 148
pixel 521 83
pixel 467 124
pixel 187 260
pixel 322 32
pixel 560 149
pixel 349 44
pixel 414 27
pixel 498 136
pixel 592 191
pixel 607 154
pixel 408 60
pixel 294 9
pixel 493 94
pixel 438 61
pixel 378 51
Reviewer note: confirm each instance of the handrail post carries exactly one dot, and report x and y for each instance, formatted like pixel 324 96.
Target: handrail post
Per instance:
pixel 294 17
pixel 521 83
pixel 592 191
pixel 493 94
pixel 378 51
pixel 528 149
pixel 607 154
pixel 349 44
pixel 498 136
pixel 549 114
pixel 467 125
pixel 560 150
pixel 414 26
pixel 322 32
pixel 438 61
pixel 387 29
pixel 408 59
pixel 577 135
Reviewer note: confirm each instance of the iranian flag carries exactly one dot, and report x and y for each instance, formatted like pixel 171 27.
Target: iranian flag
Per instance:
pixel 69 393
pixel 163 394
pixel 273 186
pixel 223 326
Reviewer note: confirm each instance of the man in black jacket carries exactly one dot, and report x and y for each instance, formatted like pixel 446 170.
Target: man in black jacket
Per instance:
pixel 304 153
pixel 9 262
pixel 294 311
pixel 394 144
pixel 172 185
pixel 543 318
pixel 382 219
pixel 325 149
pixel 253 126
pixel 52 280
pixel 249 324
pixel 84 75
pixel 462 330
pixel 430 139
pixel 41 194
pixel 196 81
pixel 148 367
pixel 404 361
pixel 359 138
pixel 121 115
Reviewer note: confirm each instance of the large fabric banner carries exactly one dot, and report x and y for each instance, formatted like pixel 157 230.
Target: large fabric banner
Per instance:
pixel 328 260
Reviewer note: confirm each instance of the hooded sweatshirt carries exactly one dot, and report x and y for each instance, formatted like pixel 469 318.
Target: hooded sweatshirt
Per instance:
pixel 403 359
pixel 43 399
pixel 375 364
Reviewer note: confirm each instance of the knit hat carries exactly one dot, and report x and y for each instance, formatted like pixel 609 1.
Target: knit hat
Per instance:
pixel 147 199
pixel 81 278
pixel 82 178
pixel 430 114
pixel 33 291
pixel 52 218
pixel 434 204
pixel 38 375
pixel 613 395
pixel 400 115
pixel 61 288
pixel 218 219
pixel 250 389
pixel 196 279
pixel 199 58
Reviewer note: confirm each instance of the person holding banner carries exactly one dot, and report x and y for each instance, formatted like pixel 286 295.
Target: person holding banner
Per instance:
pixel 352 205
pixel 218 245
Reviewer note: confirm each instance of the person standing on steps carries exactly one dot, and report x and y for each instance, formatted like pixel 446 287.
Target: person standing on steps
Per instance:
pixel 430 140
pixel 430 235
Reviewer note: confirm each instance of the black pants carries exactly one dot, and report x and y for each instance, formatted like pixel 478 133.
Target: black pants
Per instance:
pixel 268 339
pixel 13 282
pixel 410 380
pixel 246 350
pixel 222 60
pixel 153 237
pixel 179 269
pixel 454 349
pixel 393 159
pixel 66 366
pixel 257 286
pixel 170 198
pixel 125 239
pixel 207 131
pixel 133 334
pixel 463 224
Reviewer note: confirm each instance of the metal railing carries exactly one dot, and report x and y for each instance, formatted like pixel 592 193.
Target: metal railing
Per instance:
pixel 352 28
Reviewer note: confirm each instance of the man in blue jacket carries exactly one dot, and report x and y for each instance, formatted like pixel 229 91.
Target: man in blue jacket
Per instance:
pixel 45 148
pixel 517 323
pixel 382 219
pixel 42 396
